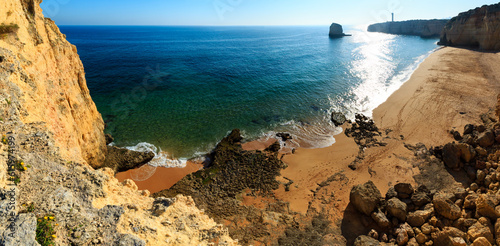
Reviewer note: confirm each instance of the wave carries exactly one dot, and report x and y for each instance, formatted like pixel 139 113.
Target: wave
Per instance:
pixel 161 159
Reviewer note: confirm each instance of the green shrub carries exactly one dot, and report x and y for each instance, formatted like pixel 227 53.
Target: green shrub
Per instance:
pixel 45 233
pixel 11 28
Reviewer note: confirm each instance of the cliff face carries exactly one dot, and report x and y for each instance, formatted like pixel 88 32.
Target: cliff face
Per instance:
pixel 422 28
pixel 479 27
pixel 43 71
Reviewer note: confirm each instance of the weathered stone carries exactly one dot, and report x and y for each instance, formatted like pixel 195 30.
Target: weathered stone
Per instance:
pixel 418 218
pixel 397 208
pixel 338 118
pixel 485 206
pixel 420 198
pixel 497 231
pixel 451 155
pixel 480 175
pixel 421 238
pixel 391 192
pixel 445 207
pixel 467 152
pixel 366 241
pixel 373 233
pixel 427 228
pixel 161 204
pixel 458 241
pixel 380 218
pixel 404 190
pixel 481 241
pixel 480 151
pixel 130 240
pixel 23 231
pixel 486 139
pixel 479 230
pixel 468 129
pixel 401 236
pixel 365 197
pixel 412 242
pixel 470 201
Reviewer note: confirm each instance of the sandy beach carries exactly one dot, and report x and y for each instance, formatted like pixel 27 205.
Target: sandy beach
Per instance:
pixel 451 88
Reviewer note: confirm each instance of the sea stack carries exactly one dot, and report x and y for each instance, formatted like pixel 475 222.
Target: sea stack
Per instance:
pixel 478 28
pixel 336 31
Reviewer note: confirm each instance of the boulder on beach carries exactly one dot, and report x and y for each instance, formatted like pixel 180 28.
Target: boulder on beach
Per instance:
pixel 338 118
pixel 365 197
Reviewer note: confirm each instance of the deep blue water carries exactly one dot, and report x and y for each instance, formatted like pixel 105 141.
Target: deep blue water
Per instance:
pixel 183 88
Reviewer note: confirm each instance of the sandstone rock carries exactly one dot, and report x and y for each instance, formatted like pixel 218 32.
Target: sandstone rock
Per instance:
pixel 468 129
pixel 458 241
pixel 365 197
pixel 497 231
pixel 427 228
pixel 481 241
pixel 109 138
pixel 451 155
pixel 391 192
pixel 420 198
pixel 423 28
pixel 470 201
pixel 480 151
pixel 467 152
pixel 366 241
pixel 404 190
pixel 336 31
pixel 397 208
pixel 373 234
pixel 412 242
pixel 480 175
pixel 380 218
pixel 338 118
pixel 445 207
pixel 485 206
pixel 486 139
pixel 418 218
pixel 421 238
pixel 477 28
pixel 479 230
pixel 401 236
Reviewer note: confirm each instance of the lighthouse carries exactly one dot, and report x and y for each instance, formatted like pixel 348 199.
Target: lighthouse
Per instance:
pixel 392 17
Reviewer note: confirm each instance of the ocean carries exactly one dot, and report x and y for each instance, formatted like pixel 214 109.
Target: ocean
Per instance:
pixel 180 90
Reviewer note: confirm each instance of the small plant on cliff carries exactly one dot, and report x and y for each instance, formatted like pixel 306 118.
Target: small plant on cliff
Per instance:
pixel 11 28
pixel 21 166
pixel 45 232
pixel 4 139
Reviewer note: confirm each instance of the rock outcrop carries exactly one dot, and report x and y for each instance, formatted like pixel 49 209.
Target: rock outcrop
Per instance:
pixel 43 71
pixel 336 31
pixel 478 28
pixel 422 28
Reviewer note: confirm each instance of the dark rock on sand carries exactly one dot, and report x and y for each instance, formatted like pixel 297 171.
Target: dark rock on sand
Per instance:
pixel 120 159
pixel 365 197
pixel 338 118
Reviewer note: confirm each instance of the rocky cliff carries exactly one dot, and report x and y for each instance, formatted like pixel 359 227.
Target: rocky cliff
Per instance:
pixel 43 71
pixel 478 27
pixel 422 28
pixel 50 131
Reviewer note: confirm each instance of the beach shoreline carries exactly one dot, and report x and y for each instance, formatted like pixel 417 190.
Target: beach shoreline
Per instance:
pixel 429 89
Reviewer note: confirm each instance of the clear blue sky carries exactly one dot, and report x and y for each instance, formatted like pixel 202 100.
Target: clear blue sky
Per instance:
pixel 248 12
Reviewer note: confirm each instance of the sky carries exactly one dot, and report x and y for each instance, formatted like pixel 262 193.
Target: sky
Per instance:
pixel 249 12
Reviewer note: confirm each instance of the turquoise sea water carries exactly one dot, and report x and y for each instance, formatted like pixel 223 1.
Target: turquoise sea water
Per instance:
pixel 182 89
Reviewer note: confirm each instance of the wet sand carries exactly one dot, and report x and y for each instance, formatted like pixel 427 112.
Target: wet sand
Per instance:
pixel 156 179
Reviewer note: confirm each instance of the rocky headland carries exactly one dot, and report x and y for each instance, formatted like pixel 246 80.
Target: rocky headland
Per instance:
pixel 477 28
pixel 422 28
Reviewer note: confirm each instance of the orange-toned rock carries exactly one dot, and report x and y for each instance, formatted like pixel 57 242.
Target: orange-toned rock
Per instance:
pixel 46 80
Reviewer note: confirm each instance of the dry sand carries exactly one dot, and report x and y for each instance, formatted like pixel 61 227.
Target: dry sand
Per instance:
pixel 451 88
